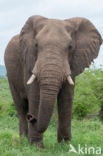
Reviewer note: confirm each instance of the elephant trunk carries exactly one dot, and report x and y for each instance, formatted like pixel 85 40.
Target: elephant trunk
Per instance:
pixel 47 102
pixel 50 83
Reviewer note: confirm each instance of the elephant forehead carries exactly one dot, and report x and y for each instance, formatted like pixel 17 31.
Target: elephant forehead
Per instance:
pixel 54 31
pixel 56 26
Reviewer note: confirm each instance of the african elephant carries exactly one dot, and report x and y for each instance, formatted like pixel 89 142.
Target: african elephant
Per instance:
pixel 42 63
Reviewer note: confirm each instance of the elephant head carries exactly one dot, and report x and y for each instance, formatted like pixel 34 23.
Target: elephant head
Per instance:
pixel 54 52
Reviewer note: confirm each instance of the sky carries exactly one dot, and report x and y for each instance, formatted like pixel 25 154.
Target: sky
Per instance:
pixel 14 13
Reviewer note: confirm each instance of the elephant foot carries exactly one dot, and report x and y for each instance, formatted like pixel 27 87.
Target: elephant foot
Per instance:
pixel 62 136
pixel 38 144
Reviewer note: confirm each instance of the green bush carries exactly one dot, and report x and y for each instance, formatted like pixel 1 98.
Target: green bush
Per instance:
pixel 88 97
pixel 1 107
pixel 11 110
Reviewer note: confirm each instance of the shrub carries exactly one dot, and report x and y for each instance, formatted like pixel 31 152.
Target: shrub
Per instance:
pixel 1 107
pixel 88 97
pixel 11 110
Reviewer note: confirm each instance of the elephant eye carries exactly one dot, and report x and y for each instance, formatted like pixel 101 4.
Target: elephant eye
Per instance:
pixel 70 47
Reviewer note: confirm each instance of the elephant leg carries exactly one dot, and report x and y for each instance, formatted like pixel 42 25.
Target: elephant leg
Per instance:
pixel 65 100
pixel 22 109
pixel 34 96
pixel 23 124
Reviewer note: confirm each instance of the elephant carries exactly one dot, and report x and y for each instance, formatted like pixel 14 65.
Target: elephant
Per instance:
pixel 42 63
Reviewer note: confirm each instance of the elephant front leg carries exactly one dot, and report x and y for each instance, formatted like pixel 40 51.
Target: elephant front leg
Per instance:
pixel 65 100
pixel 23 125
pixel 33 135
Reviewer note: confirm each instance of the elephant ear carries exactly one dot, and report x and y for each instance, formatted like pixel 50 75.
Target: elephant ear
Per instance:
pixel 87 44
pixel 27 42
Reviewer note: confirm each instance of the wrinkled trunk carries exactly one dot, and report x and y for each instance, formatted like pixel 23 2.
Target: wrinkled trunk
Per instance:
pixel 50 76
pixel 47 102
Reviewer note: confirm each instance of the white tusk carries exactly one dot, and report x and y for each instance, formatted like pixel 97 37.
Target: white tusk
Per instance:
pixel 31 79
pixel 70 81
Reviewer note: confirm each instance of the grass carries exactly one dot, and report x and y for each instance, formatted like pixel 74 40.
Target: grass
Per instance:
pixel 84 132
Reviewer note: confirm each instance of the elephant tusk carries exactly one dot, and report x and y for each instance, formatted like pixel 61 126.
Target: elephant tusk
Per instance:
pixel 70 81
pixel 31 79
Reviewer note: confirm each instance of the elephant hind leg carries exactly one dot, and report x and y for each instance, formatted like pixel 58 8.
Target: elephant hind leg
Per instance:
pixel 22 110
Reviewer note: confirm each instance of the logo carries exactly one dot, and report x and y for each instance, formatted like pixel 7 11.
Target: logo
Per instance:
pixel 85 150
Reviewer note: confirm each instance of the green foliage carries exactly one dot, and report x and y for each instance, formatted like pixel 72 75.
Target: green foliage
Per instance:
pixel 1 107
pixel 5 97
pixel 11 110
pixel 6 103
pixel 88 93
